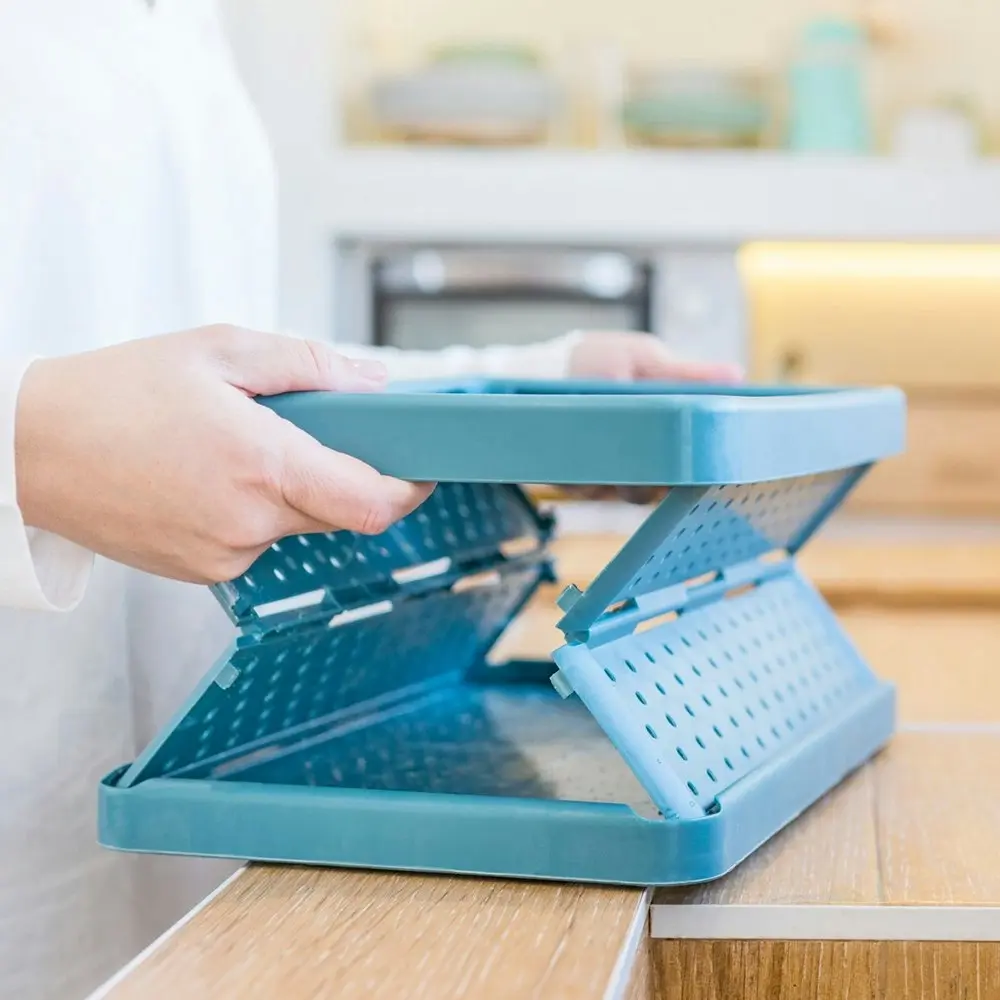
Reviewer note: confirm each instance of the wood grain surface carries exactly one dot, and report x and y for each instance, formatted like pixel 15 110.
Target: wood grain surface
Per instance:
pixel 825 970
pixel 306 933
pixel 897 832
pixel 900 833
pixel 945 664
pixel 937 811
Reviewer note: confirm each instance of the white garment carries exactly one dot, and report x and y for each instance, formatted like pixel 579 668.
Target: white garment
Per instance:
pixel 136 198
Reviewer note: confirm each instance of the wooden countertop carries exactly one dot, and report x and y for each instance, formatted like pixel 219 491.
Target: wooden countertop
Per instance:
pixel 863 896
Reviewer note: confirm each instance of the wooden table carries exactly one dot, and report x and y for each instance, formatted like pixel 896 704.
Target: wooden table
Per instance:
pixel 889 887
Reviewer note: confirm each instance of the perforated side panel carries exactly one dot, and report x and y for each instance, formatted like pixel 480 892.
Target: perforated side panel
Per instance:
pixel 732 524
pixel 722 689
pixel 460 521
pixel 292 685
pixel 698 531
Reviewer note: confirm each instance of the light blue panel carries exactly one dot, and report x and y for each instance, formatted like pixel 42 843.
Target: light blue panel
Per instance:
pixel 604 434
pixel 699 530
pixel 696 704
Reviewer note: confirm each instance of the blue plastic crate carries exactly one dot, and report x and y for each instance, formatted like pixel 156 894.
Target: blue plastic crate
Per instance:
pixel 705 694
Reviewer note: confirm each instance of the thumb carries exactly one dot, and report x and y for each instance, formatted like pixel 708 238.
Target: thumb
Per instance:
pixel 655 362
pixel 265 364
pixel 676 370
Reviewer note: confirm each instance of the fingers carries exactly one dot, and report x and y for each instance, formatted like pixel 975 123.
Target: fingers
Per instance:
pixel 265 364
pixel 327 491
pixel 660 365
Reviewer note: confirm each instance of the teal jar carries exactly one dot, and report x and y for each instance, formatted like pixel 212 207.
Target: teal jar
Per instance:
pixel 828 101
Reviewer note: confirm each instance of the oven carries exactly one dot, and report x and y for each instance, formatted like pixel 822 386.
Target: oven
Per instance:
pixel 427 298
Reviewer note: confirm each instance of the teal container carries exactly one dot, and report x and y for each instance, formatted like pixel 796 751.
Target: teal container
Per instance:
pixel 702 696
pixel 829 107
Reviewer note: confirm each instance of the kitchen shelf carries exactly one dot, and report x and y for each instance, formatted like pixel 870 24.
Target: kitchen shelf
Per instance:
pixel 653 197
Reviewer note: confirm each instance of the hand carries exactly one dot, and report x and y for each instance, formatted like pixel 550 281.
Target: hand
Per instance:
pixel 154 453
pixel 627 356
pixel 637 357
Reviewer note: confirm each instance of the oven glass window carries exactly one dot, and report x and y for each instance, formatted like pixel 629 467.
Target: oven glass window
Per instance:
pixel 429 324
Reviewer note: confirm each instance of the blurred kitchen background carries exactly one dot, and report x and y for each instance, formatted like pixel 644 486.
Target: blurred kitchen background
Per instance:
pixel 808 188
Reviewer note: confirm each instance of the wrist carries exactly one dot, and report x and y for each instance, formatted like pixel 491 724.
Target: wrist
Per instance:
pixel 36 444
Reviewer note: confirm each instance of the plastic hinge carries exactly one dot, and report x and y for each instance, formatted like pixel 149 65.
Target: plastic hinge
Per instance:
pixel 677 599
pixel 562 684
pixel 285 616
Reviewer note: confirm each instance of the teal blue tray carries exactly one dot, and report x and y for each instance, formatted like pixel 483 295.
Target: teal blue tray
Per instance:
pixel 704 695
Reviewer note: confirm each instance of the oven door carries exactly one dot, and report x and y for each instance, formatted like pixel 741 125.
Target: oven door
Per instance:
pixel 428 299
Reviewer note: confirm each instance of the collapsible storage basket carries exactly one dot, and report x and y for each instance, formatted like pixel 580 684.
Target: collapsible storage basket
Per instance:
pixel 704 696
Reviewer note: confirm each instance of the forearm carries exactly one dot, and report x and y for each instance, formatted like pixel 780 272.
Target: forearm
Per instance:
pixel 38 570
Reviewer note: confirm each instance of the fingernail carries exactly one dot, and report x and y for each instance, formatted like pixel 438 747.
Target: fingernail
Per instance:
pixel 370 372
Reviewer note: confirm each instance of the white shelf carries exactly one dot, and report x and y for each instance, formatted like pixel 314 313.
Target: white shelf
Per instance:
pixel 649 197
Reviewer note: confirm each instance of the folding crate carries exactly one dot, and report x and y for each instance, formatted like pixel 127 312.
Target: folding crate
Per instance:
pixel 704 696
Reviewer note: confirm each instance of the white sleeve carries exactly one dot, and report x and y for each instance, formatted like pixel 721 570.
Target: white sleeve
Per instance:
pixel 547 360
pixel 38 570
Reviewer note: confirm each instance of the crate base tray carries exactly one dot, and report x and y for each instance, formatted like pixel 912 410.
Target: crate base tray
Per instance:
pixel 485 779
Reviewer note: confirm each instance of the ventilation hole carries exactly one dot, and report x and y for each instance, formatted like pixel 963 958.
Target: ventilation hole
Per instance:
pixel 278 575
pixel 629 664
pixel 761 743
pixel 695 671
pixel 735 724
pixel 745 752
pixel 667 650
pixel 685 641
pixel 790 725
pixel 679 679
pixel 717 731
pixel 711 775
pixel 660 688
pixel 775 732
pixel 712 662
pixel 764 705
pixel 689 710
pixel 729 763
pixel 671 720
pixel 749 712
pixel 706 700
pixel 640 697
pixel 651 731
pixel 693 787
pixel 700 742
pixel 681 753
pixel 611 676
